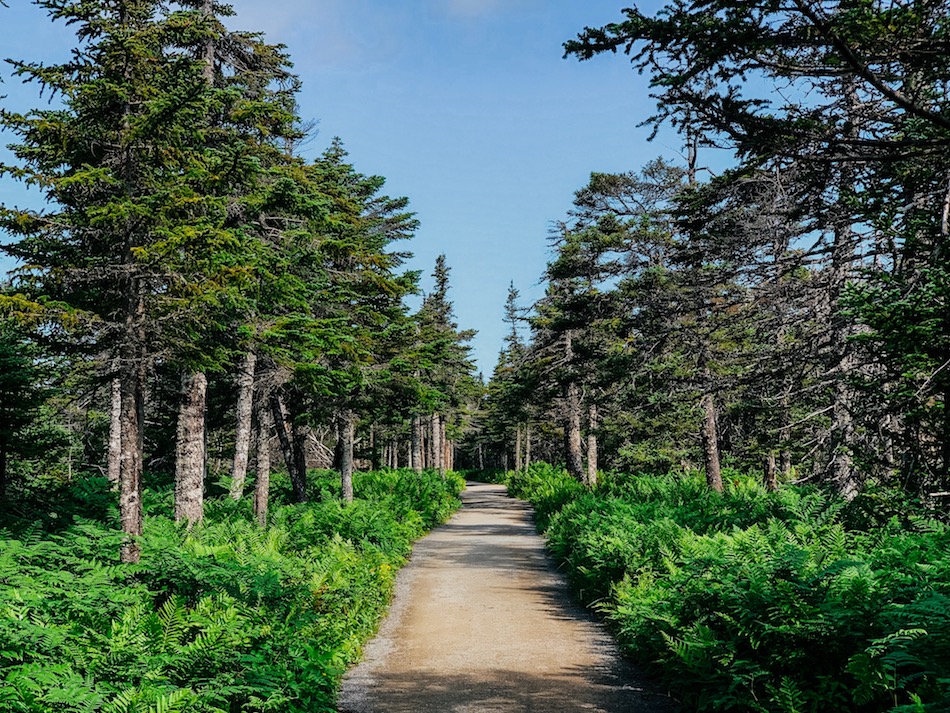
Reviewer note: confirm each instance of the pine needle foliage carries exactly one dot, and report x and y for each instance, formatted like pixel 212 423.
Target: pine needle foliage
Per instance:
pixel 790 602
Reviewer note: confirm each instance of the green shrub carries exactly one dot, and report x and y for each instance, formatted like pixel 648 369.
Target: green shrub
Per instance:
pixel 226 617
pixel 755 601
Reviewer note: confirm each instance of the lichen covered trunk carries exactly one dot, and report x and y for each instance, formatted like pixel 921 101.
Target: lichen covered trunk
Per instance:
pixel 591 479
pixel 114 467
pixel 572 431
pixel 710 439
pixel 242 434
pixel 347 433
pixel 190 450
pixel 262 484
pixel 415 454
pixel 130 462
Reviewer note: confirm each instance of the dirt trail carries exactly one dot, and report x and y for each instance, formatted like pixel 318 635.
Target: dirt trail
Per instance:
pixel 482 623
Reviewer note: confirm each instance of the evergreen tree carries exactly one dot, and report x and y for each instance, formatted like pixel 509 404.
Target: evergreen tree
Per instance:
pixel 138 169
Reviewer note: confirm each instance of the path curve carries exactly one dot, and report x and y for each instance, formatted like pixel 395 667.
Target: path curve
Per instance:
pixel 483 623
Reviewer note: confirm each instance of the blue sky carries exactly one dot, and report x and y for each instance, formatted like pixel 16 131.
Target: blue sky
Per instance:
pixel 465 106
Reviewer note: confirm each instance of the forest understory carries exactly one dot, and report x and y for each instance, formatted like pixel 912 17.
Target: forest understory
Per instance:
pixel 750 600
pixel 223 617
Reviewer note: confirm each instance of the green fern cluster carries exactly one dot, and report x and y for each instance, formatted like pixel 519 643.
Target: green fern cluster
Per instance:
pixel 227 617
pixel 787 602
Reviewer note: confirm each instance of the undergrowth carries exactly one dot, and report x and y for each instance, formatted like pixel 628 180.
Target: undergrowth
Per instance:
pixel 226 618
pixel 790 602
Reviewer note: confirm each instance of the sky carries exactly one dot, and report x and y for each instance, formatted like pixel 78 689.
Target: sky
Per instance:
pixel 465 106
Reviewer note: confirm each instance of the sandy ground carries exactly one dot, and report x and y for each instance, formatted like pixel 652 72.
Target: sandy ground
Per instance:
pixel 483 623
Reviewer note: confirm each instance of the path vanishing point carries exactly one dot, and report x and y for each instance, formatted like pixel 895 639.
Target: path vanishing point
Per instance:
pixel 483 623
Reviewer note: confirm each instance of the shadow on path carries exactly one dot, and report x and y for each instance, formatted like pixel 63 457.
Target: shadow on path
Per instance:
pixel 482 622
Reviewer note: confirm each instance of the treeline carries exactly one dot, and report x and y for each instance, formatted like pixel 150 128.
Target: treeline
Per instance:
pixel 194 294
pixel 788 313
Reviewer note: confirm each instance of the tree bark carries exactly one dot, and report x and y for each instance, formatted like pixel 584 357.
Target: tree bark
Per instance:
pixel 190 450
pixel 518 446
pixel 288 448
pixel 591 480
pixel 572 417
pixel 770 472
pixel 207 69
pixel 710 438
pixel 280 426
pixel 785 464
pixel 262 483
pixel 446 446
pixel 114 471
pixel 3 472
pixel 130 480
pixel 242 438
pixel 347 429
pixel 298 476
pixel 840 469
pixel 436 442
pixel 376 457
pixel 415 454
pixel 527 444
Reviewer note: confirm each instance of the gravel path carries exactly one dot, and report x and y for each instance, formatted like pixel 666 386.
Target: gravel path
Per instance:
pixel 482 623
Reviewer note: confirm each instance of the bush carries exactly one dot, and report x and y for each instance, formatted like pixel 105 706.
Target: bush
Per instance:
pixel 227 617
pixel 756 601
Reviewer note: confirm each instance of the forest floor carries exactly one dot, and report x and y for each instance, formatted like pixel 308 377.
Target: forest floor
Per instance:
pixel 483 623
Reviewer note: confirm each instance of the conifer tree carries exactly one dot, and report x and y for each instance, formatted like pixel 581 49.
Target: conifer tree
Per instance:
pixel 136 242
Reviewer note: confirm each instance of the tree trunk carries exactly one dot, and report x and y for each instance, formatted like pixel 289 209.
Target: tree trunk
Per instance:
pixel 337 462
pixel 428 442
pixel 481 457
pixel 710 438
pixel 280 426
pixel 527 444
pixel 840 469
pixel 298 476
pixel 262 484
pixel 572 431
pixel 518 446
pixel 287 447
pixel 347 430
pixel 770 473
pixel 445 447
pixel 207 69
pixel 3 472
pixel 114 472
pixel 130 474
pixel 190 450
pixel 572 416
pixel 242 439
pixel 376 457
pixel 436 443
pixel 785 434
pixel 785 464
pixel 591 480
pixel 415 454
